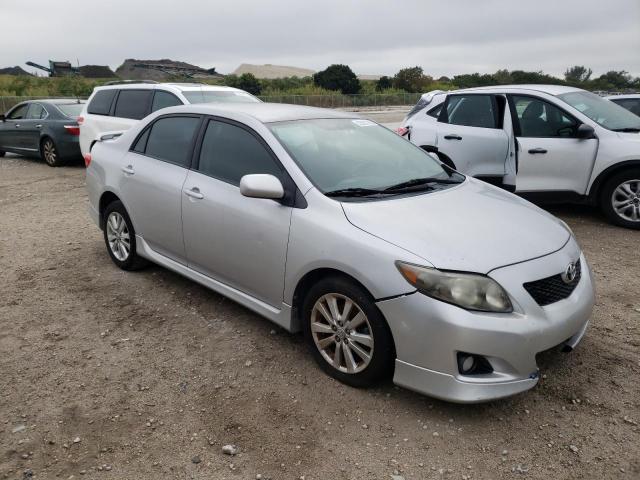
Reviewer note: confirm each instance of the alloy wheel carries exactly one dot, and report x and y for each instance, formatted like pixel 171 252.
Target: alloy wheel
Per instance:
pixel 118 236
pixel 50 154
pixel 625 200
pixel 342 333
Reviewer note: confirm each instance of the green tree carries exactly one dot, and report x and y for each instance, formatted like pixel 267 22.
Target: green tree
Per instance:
pixel 383 83
pixel 338 77
pixel 577 75
pixel 412 80
pixel 249 83
pixel 614 80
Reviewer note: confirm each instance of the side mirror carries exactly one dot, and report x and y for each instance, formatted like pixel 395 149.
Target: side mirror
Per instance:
pixel 261 185
pixel 2 118
pixel 585 131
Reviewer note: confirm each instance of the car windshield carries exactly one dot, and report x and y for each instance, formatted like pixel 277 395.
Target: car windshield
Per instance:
pixel 604 112
pixel 70 109
pixel 219 96
pixel 354 155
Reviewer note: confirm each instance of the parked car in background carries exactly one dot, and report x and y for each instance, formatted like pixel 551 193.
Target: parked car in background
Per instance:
pixel 549 143
pixel 394 262
pixel 120 105
pixel 630 101
pixel 47 129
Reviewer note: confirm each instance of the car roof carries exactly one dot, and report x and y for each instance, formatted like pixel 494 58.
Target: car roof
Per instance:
pixel 549 89
pixel 265 112
pixel 180 87
pixel 60 101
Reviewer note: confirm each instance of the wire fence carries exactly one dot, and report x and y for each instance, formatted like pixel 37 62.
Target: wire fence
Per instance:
pixel 326 101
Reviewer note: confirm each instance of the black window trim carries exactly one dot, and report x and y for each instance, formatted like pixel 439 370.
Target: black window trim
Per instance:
pixel 192 144
pixel 444 115
pixel 153 96
pixel 112 111
pixel 516 121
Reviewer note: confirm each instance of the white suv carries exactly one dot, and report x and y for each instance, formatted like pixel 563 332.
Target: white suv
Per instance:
pixel 118 106
pixel 547 142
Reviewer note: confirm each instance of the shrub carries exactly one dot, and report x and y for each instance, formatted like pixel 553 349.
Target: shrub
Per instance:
pixel 338 77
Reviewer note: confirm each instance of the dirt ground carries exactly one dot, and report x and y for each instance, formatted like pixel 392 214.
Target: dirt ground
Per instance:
pixel 112 375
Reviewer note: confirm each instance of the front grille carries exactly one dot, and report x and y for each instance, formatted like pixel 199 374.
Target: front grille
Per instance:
pixel 552 289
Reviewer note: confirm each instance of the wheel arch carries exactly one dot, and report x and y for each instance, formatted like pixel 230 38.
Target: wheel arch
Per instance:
pixel 596 187
pixel 106 198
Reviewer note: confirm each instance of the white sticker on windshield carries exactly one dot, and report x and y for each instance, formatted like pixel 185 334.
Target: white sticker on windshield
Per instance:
pixel 363 123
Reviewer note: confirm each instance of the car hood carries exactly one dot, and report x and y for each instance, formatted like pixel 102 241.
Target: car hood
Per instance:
pixel 472 227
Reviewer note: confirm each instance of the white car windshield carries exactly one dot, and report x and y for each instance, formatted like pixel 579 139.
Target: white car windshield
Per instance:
pixel 604 112
pixel 341 155
pixel 219 96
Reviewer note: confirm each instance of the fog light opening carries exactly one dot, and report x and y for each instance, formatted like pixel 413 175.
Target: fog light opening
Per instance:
pixel 471 364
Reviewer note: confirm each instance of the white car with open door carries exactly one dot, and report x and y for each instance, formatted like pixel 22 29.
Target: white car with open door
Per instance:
pixel 546 142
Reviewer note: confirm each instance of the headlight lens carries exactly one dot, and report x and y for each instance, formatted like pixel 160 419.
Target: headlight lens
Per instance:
pixel 467 290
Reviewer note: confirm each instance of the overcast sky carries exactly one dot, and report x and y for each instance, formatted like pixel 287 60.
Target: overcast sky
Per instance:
pixel 372 36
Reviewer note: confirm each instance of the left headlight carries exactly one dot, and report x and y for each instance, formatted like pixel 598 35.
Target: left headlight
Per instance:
pixel 466 290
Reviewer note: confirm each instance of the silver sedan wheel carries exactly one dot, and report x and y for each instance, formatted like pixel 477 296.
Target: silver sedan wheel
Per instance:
pixel 626 200
pixel 49 151
pixel 342 333
pixel 118 236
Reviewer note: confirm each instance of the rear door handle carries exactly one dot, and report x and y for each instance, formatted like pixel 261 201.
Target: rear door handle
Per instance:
pixel 194 193
pixel 39 126
pixel 128 170
pixel 537 150
pixel 17 125
pixel 452 137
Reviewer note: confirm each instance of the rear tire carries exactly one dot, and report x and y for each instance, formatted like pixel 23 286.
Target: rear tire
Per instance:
pixel 120 237
pixel 360 332
pixel 620 199
pixel 49 152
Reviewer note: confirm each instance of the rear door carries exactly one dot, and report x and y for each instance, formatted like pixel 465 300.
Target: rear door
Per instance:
pixel 33 124
pixel 153 173
pixel 470 133
pixel 550 156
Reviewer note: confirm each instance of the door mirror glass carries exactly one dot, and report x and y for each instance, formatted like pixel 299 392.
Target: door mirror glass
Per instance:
pixel 2 117
pixel 261 185
pixel 585 131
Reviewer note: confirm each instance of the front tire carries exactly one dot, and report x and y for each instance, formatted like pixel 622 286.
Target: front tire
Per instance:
pixel 620 199
pixel 2 153
pixel 346 333
pixel 50 153
pixel 120 237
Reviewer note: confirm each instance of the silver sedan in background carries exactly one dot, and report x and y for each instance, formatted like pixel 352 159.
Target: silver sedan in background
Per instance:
pixel 390 262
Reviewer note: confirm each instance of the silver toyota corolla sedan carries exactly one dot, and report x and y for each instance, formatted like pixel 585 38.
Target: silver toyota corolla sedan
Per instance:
pixel 389 262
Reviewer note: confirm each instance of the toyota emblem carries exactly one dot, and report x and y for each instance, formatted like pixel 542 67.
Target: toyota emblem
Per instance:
pixel 569 275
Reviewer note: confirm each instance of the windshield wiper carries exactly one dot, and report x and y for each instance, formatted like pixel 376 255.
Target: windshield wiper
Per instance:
pixel 355 192
pixel 417 182
pixel 627 130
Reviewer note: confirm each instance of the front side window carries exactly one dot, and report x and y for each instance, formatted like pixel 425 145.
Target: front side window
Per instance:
pixel 133 104
pixel 18 113
pixel 219 96
pixel 100 104
pixel 36 112
pixel 470 111
pixel 230 152
pixel 338 154
pixel 171 139
pixel 163 100
pixel 538 118
pixel 605 113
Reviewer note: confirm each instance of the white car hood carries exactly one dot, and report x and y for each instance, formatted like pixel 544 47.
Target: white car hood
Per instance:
pixel 472 227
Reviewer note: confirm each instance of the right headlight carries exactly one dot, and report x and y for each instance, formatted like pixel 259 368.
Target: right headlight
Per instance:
pixel 467 290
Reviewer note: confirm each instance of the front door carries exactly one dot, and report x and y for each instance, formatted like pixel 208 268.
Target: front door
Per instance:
pixel 11 136
pixel 153 174
pixel 550 156
pixel 236 240
pixel 470 133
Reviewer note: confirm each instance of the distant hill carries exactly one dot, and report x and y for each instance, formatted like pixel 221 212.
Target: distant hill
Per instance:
pixel 96 71
pixel 273 71
pixel 14 71
pixel 128 70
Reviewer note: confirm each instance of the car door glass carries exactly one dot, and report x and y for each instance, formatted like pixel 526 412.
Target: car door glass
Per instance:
pixel 171 139
pixel 230 152
pixel 631 104
pixel 18 113
pixel 36 112
pixel 101 102
pixel 471 111
pixel 163 100
pixel 133 104
pixel 538 118
pixel 435 112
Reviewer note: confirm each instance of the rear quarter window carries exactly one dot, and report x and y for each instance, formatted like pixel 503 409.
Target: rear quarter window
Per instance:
pixel 133 104
pixel 100 104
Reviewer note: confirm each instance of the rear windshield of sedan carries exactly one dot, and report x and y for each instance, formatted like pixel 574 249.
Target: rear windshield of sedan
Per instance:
pixel 352 153
pixel 605 113
pixel 70 109
pixel 210 96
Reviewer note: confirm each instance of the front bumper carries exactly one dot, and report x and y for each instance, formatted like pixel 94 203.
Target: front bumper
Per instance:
pixel 428 333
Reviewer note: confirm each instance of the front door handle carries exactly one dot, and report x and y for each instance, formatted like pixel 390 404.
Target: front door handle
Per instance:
pixel 39 126
pixel 194 193
pixel 17 125
pixel 128 170
pixel 537 150
pixel 452 137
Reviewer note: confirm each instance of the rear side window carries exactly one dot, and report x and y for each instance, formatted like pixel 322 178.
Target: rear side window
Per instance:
pixel 101 102
pixel 36 112
pixel 133 104
pixel 163 100
pixel 435 111
pixel 170 139
pixel 230 152
pixel 470 111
